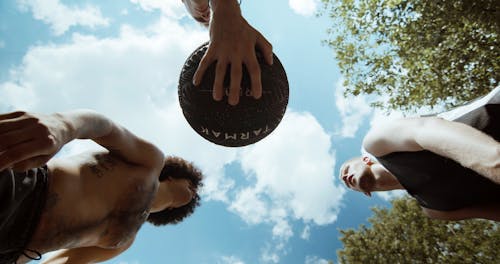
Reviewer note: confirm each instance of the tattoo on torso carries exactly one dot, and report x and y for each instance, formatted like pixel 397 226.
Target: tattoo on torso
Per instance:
pixel 104 163
pixel 127 214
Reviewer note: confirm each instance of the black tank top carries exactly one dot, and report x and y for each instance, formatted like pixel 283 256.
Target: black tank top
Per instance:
pixel 440 183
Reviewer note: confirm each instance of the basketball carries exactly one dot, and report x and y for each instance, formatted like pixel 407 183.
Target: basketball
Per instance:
pixel 233 126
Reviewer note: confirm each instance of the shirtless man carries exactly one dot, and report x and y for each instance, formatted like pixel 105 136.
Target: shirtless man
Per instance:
pixel 452 168
pixel 91 205
pixel 232 42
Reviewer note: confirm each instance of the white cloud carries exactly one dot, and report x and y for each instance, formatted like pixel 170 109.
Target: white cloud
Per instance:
pixel 170 8
pixel 269 255
pixel 230 260
pixel 89 71
pixel 353 110
pixel 315 260
pixel 293 173
pixel 304 7
pixel 61 17
pixel 277 246
pixel 282 229
pixel 254 214
pixel 294 170
pixel 2 44
pixel 306 233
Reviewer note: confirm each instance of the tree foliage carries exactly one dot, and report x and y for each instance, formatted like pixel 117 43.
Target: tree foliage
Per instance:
pixel 417 52
pixel 403 234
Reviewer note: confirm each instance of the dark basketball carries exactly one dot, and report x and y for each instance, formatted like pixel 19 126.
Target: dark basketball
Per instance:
pixel 233 126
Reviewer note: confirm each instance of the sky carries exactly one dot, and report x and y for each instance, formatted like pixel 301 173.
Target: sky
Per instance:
pixel 276 201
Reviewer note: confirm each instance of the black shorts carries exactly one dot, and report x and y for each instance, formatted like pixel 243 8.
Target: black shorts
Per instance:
pixel 22 197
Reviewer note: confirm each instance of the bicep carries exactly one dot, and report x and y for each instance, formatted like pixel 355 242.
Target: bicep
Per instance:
pixel 86 124
pixel 131 148
pixel 395 136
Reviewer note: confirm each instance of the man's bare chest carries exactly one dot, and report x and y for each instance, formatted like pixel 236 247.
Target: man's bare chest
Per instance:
pixel 104 205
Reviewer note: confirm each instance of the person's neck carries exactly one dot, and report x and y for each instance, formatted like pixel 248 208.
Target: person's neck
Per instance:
pixel 385 180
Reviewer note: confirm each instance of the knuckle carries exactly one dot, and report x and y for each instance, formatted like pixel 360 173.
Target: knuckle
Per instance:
pixel 31 119
pixel 220 62
pixel 209 53
pixel 41 127
pixel 48 142
pixel 20 113
pixel 205 59
pixel 29 116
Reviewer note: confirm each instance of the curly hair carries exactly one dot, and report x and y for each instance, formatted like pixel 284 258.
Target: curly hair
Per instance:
pixel 178 168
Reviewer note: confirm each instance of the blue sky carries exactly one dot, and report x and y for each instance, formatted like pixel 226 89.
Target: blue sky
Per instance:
pixel 277 201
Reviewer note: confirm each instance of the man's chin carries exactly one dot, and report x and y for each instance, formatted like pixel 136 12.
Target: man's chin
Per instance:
pixel 367 184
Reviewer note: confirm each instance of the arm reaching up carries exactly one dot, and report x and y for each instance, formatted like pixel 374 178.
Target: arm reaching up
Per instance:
pixel 232 43
pixel 29 140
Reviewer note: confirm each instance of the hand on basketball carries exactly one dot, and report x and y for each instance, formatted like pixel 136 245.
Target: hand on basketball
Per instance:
pixel 233 42
pixel 29 140
pixel 199 10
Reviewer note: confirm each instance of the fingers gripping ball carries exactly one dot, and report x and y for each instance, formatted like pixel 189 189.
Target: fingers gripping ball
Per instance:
pixel 233 126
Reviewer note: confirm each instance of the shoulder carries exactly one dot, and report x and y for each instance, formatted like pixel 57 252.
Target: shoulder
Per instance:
pixel 394 135
pixel 104 162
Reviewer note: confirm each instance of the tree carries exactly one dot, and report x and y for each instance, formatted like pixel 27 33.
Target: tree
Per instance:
pixel 416 52
pixel 403 234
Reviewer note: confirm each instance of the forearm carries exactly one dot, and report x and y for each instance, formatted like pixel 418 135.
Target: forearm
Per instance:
pixel 464 144
pixel 30 140
pixel 85 124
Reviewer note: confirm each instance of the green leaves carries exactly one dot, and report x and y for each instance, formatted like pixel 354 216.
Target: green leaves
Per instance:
pixel 419 52
pixel 403 234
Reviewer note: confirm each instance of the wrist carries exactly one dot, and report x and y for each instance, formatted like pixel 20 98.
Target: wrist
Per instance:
pixel 67 128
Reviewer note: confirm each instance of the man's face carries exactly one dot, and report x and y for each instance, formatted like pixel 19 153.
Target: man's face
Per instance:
pixel 357 175
pixel 179 191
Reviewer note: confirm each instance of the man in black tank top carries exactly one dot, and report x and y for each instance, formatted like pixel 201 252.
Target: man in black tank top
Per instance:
pixel 450 163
